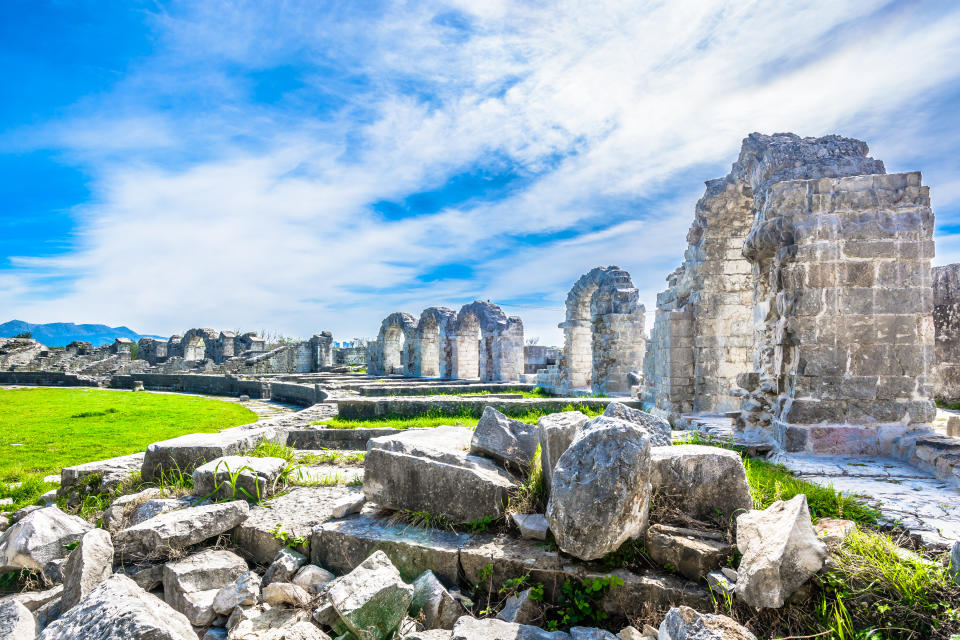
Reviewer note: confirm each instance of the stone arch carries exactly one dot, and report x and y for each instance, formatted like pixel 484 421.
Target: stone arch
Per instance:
pixel 194 345
pixel 392 352
pixel 489 345
pixel 435 343
pixel 603 332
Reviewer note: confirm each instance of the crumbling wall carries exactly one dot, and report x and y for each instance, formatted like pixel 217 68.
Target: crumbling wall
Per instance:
pixel 391 355
pixel 435 343
pixel 946 326
pixel 489 343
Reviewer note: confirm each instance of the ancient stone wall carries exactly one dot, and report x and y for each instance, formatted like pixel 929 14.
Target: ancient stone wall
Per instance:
pixel 946 324
pixel 391 354
pixel 435 343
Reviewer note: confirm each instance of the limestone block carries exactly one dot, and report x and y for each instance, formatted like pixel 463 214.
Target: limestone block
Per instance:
pixel 110 474
pixel 180 529
pixel 590 633
pixel 243 591
pixel 658 428
pixel 117 609
pixel 313 578
pixel 693 554
pixel 38 538
pixel 285 593
pixel 440 610
pixel 504 439
pixel 87 566
pixel 470 628
pixel 706 483
pixel 186 453
pixel 192 585
pixel 520 608
pixel 284 566
pixel 255 478
pixel 684 623
pixel 372 599
pixel 532 525
pixel 557 431
pixel 601 489
pixel 16 621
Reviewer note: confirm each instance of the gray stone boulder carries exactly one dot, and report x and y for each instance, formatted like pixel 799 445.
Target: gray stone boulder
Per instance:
pixel 38 538
pixel 693 554
pixel 276 623
pixel 191 585
pixel 115 516
pixel 520 608
pixel 600 495
pixel 431 470
pixel 348 505
pixel 284 566
pixel 153 507
pixel 180 529
pixel 313 578
pixel 504 439
pixel 684 623
pixel 244 591
pixel 781 551
pixel 117 609
pixel 87 566
pixel 33 600
pixel 658 427
pixel 286 593
pixel 470 628
pixel 439 609
pixel 16 621
pixel 706 483
pixel 372 599
pixel 557 431
pixel 255 479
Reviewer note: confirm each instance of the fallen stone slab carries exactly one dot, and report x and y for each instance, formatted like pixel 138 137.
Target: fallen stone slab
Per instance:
pixel 180 529
pixel 87 566
pixel 693 554
pixel 33 600
pixel 187 452
pixel 470 628
pixel 372 599
pixel 16 621
pixel 238 478
pixel 117 608
pixel 431 470
pixel 706 483
pixel 191 585
pixel 39 537
pixel 101 476
pixel 348 505
pixel 658 428
pixel 439 609
pixel 313 578
pixel 781 551
pixel 600 491
pixel 683 623
pixel 557 431
pixel 115 516
pixel 297 513
pixel 154 507
pixel 504 439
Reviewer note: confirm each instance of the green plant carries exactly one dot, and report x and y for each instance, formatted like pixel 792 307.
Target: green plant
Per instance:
pixel 424 519
pixel 233 481
pixel 288 539
pixel 531 497
pixel 579 602
pixel 481 524
pixel 271 449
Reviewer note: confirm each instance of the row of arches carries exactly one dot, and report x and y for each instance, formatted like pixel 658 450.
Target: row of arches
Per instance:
pixel 480 342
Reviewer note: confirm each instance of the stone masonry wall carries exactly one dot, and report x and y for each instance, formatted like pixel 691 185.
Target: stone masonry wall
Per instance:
pixel 946 324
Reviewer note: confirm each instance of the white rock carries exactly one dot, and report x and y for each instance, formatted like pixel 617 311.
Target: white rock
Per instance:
pixel 590 633
pixel 372 599
pixel 706 483
pixel 16 621
pixel 40 536
pixel 533 526
pixel 87 566
pixel 781 551
pixel 955 561
pixel 312 578
pixel 600 492
pixel 630 633
pixel 720 585
pixel 347 505
pixel 271 624
pixel 33 600
pixel 117 609
pixel 279 593
pixel 658 428
pixel 470 628
pixel 180 529
pixel 284 566
pixel 557 431
pixel 115 516
pixel 431 599
pixel 245 590
pixel 520 608
pixel 191 585
pixel 504 439
pixel 683 623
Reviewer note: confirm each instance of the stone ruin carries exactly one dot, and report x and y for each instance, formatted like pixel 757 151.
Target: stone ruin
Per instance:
pixel 804 301
pixel 946 323
pixel 603 336
pixel 480 342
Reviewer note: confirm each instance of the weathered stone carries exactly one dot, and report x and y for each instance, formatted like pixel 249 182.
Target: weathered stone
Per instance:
pixel 781 551
pixel 186 453
pixel 154 507
pixel 148 577
pixel 191 585
pixel 658 428
pixel 601 489
pixel 238 478
pixel 348 505
pixel 215 633
pixel 833 531
pixel 557 431
pixel 270 624
pixel 40 536
pixel 280 593
pixel 470 628
pixel 102 476
pixel 706 483
pixel 87 566
pixel 590 633
pixel 504 439
pixel 284 566
pixel 692 554
pixel 632 633
pixel 430 470
pixel 115 516
pixel 16 621
pixel 298 512
pixel 33 600
pixel 117 609
pixel 430 634
pixel 720 585
pixel 683 623
pixel 312 578
pixel 955 561
pixel 532 525
pixel 372 599
pixel 180 529
pixel 520 608
pixel 243 591
pixel 440 610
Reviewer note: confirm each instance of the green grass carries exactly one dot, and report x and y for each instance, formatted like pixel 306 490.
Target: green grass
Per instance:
pixel 465 417
pixel 44 430
pixel 536 392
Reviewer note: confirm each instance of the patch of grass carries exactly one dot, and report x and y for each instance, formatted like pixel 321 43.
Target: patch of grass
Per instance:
pixel 332 456
pixel 465 417
pixel 270 449
pixel 771 482
pixel 536 392
pixel 531 497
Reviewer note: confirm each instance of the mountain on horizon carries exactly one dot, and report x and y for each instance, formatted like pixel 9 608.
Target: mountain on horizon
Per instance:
pixel 60 334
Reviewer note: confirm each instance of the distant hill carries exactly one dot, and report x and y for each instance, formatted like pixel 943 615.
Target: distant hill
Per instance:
pixel 59 334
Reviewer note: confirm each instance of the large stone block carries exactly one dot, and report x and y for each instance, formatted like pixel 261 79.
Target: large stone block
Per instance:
pixel 238 478
pixel 431 470
pixel 557 431
pixel 658 428
pixel 180 529
pixel 87 566
pixel 39 537
pixel 504 439
pixel 706 483
pixel 186 453
pixel 372 599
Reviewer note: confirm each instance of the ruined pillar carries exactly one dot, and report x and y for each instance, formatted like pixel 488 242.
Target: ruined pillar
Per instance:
pixel 321 345
pixel 946 326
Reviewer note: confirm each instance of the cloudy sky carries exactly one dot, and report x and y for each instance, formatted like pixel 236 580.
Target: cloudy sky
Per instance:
pixel 300 166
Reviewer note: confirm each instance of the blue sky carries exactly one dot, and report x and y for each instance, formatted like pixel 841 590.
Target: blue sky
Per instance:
pixel 301 166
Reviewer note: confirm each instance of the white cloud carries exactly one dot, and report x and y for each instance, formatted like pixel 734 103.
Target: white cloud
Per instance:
pixel 263 219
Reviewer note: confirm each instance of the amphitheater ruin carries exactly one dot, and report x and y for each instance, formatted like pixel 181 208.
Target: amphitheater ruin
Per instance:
pixel 805 324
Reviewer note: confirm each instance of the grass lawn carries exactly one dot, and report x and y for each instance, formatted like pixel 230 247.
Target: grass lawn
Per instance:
pixel 43 430
pixel 465 418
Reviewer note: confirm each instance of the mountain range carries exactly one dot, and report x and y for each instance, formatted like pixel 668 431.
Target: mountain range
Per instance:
pixel 59 334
